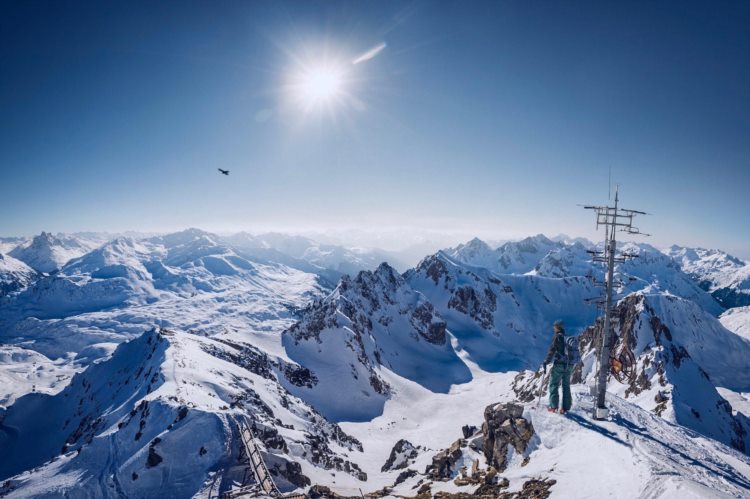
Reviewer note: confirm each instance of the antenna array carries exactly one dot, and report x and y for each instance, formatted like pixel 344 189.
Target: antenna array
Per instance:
pixel 614 219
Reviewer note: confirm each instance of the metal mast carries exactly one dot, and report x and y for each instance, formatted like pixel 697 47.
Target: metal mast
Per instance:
pixel 613 218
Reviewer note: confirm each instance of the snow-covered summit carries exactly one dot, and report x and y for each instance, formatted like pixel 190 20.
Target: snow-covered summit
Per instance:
pixel 682 355
pixel 726 277
pixel 114 258
pixel 48 253
pixel 522 256
pixel 502 322
pixel 371 324
pixel 513 257
pixel 475 252
pixel 14 275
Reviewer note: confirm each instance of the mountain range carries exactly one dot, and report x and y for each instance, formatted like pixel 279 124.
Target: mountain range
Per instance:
pixel 130 360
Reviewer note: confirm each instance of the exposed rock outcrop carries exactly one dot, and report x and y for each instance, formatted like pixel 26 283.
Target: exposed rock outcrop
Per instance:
pixel 400 455
pixel 443 465
pixel 504 427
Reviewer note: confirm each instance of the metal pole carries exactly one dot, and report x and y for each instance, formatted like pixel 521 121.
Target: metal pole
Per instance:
pixel 601 411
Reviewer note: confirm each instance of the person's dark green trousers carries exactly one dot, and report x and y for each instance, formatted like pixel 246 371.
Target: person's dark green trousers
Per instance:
pixel 560 374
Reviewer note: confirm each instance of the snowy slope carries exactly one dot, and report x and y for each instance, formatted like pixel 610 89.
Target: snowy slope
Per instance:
pixel 682 355
pixel 538 255
pixel 48 253
pixel 514 257
pixel 369 324
pixel 726 277
pixel 566 261
pixel 14 275
pixel 503 322
pixel 648 270
pixel 653 272
pixel 476 253
pixel 410 357
pixel 186 281
pixel 7 244
pixel 157 419
pixel 639 453
pixel 737 320
pixel 24 371
pixel 124 273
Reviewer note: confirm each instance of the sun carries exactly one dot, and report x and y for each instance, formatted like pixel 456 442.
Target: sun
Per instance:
pixel 317 86
pixel 320 84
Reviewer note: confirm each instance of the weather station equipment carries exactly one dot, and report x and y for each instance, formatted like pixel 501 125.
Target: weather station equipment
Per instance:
pixel 614 219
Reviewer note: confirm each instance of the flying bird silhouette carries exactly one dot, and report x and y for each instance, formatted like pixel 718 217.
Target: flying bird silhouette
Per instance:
pixel 225 172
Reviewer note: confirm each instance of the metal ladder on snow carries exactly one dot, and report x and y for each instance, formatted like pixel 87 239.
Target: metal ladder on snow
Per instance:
pixel 263 479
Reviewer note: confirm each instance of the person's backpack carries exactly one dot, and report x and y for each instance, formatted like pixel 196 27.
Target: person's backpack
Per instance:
pixel 572 352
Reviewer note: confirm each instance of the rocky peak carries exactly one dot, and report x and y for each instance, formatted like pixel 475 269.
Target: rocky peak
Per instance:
pixel 678 350
pixel 401 455
pixel 472 248
pixel 434 267
pixel 384 277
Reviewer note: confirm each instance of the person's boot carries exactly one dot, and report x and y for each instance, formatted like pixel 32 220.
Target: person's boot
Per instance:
pixel 564 411
pixel 552 409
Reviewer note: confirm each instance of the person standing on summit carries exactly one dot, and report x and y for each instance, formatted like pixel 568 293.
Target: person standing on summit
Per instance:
pixel 564 355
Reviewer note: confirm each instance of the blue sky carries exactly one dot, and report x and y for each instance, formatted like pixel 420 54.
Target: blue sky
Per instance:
pixel 487 117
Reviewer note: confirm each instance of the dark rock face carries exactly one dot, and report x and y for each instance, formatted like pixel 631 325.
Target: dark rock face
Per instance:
pixel 400 455
pixel 527 385
pixel 423 320
pixel 468 430
pixel 323 492
pixel 504 427
pixel 270 438
pixel 256 361
pixel 322 455
pixel 443 465
pixel 153 458
pixel 480 308
pixel 292 472
pixel 317 316
pixel 404 476
pixel 320 492
pixel 434 268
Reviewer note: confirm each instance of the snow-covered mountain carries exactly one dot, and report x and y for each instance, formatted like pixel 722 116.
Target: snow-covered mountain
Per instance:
pixel 648 269
pixel 185 280
pixel 48 253
pixel 501 321
pixel 159 419
pixel 683 354
pixel 726 277
pixel 132 364
pixel 340 259
pixel 514 257
pixel 369 324
pixel 14 275
pixel 737 320
pixel 8 243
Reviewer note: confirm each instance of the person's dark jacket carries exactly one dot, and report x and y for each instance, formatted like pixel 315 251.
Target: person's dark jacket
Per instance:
pixel 556 348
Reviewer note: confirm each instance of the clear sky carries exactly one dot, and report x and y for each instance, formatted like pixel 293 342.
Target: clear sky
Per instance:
pixel 493 117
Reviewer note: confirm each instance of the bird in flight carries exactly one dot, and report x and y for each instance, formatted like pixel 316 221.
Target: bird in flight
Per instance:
pixel 225 172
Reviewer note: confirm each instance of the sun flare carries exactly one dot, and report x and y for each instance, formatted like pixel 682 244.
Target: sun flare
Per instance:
pixel 318 86
pixel 321 84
